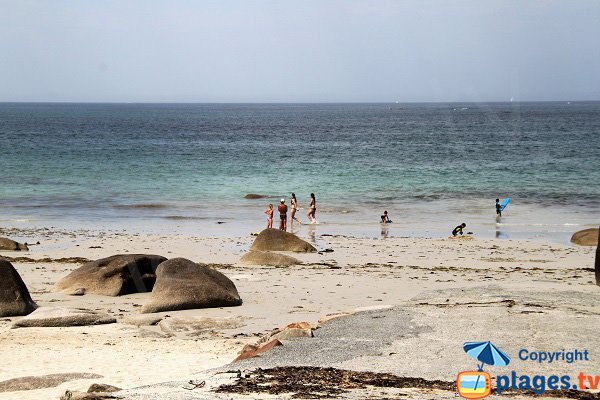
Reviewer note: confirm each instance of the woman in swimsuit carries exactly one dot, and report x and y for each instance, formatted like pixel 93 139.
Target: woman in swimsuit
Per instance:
pixel 269 212
pixel 294 208
pixel 312 209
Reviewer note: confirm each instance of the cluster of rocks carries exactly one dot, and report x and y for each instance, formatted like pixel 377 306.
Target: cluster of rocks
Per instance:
pixel 269 242
pixel 175 284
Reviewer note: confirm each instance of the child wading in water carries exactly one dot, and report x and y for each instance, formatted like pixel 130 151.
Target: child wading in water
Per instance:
pixel 269 212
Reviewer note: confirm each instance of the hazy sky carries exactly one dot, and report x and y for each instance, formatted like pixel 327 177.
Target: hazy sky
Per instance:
pixel 299 51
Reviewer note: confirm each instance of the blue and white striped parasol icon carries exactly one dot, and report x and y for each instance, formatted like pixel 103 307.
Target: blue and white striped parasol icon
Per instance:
pixel 486 353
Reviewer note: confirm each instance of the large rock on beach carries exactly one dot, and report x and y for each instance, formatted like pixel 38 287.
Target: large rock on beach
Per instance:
pixel 182 284
pixel 256 257
pixel 7 244
pixel 14 296
pixel 276 240
pixel 586 237
pixel 113 276
pixel 63 317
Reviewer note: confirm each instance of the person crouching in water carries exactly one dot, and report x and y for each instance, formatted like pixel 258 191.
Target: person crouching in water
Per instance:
pixel 459 229
pixel 269 212
pixel 282 215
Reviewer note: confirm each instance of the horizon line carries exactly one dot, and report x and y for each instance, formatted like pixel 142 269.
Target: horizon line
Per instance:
pixel 300 102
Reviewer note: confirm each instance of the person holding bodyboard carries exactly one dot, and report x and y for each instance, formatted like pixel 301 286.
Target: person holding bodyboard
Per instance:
pixel 501 206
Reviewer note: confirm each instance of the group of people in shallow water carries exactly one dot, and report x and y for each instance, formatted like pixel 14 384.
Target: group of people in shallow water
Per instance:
pixel 312 210
pixel 283 210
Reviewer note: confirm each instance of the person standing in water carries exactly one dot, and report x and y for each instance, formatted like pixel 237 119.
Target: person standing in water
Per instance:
pixel 294 206
pixel 269 212
pixel 282 215
pixel 312 209
pixel 498 209
pixel 385 219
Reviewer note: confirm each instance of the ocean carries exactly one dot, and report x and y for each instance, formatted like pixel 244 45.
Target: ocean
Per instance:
pixel 187 167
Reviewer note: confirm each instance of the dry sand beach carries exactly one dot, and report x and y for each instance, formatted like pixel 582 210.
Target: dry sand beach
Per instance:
pixel 433 294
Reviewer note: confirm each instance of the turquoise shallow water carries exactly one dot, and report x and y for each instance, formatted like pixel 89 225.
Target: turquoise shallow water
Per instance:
pixel 185 166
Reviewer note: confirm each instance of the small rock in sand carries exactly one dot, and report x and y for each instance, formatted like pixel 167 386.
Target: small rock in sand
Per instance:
pixel 250 350
pixel 102 388
pixel 42 381
pixel 69 395
pixel 141 320
pixel 14 296
pixel 330 317
pixel 199 325
pixel 291 331
pixel 63 317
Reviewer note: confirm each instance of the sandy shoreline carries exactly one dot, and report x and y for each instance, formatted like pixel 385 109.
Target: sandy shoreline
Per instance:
pixel 359 274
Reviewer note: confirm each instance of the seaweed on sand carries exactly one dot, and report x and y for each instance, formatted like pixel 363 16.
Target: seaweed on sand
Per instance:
pixel 321 383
